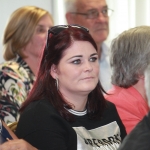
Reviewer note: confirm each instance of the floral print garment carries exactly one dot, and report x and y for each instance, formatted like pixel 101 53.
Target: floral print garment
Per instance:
pixel 16 80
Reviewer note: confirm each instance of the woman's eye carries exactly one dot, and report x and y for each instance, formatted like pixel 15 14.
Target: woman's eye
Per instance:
pixel 93 59
pixel 41 30
pixel 78 61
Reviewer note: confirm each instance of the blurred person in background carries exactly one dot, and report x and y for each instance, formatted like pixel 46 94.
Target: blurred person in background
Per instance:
pixel 130 56
pixel 139 137
pixel 94 15
pixel 24 39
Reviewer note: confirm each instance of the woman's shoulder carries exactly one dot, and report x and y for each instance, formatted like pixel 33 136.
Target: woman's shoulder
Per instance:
pixel 39 104
pixel 38 115
pixel 37 111
pixel 11 68
pixel 17 70
pixel 9 64
pixel 40 107
pixel 110 105
pixel 110 109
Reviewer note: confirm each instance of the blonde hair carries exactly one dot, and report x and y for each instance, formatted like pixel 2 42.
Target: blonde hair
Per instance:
pixel 20 29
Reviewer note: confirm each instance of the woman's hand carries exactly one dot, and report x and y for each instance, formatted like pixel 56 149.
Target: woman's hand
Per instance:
pixel 17 144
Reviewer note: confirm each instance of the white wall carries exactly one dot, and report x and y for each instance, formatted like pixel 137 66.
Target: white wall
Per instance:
pixel 127 14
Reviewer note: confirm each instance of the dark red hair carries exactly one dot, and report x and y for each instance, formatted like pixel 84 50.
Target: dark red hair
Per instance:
pixel 45 88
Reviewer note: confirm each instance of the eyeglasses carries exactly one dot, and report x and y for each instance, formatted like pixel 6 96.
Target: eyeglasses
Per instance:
pixel 94 13
pixel 57 29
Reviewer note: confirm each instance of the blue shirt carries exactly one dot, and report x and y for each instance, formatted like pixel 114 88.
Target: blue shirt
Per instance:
pixel 105 70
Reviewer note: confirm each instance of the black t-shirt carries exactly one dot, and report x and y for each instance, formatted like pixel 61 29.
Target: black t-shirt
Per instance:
pixel 41 125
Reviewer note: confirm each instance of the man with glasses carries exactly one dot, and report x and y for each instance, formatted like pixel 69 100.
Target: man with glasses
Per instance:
pixel 94 15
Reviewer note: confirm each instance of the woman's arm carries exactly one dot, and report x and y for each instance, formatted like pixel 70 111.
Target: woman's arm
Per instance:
pixel 17 144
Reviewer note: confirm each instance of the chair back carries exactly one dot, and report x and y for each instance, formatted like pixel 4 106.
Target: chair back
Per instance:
pixel 12 126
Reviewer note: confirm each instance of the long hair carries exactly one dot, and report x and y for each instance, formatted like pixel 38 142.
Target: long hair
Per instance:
pixel 45 88
pixel 20 29
pixel 130 55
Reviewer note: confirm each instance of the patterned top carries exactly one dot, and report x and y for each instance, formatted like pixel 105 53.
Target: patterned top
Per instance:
pixel 16 80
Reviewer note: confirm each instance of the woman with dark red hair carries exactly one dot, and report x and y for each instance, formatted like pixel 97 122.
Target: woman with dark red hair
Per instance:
pixel 66 108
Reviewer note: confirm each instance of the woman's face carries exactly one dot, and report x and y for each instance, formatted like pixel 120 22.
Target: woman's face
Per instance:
pixel 78 69
pixel 37 43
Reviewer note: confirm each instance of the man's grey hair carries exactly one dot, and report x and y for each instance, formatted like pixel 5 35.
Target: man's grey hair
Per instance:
pixel 130 55
pixel 147 83
pixel 70 5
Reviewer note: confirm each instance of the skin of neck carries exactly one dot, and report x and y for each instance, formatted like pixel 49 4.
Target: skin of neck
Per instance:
pixel 78 101
pixel 33 63
pixel 139 86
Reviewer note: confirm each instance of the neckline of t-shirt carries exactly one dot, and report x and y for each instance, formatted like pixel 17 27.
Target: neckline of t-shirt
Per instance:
pixel 77 113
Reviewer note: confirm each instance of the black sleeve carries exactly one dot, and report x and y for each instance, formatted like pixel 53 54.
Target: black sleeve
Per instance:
pixel 42 127
pixel 115 116
pixel 46 140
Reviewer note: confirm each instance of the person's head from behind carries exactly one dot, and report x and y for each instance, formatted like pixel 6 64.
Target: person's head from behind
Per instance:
pixel 69 68
pixel 130 55
pixel 93 14
pixel 26 32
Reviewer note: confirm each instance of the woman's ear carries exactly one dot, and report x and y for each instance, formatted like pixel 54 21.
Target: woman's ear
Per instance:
pixel 142 77
pixel 53 71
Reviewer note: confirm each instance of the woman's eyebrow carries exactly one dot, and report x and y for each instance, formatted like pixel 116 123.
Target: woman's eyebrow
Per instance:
pixel 75 56
pixel 82 56
pixel 93 54
pixel 40 25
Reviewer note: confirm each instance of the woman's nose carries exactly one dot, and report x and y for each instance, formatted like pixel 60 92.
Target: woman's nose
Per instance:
pixel 88 66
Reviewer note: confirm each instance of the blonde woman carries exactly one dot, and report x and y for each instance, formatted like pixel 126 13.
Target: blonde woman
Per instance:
pixel 24 39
